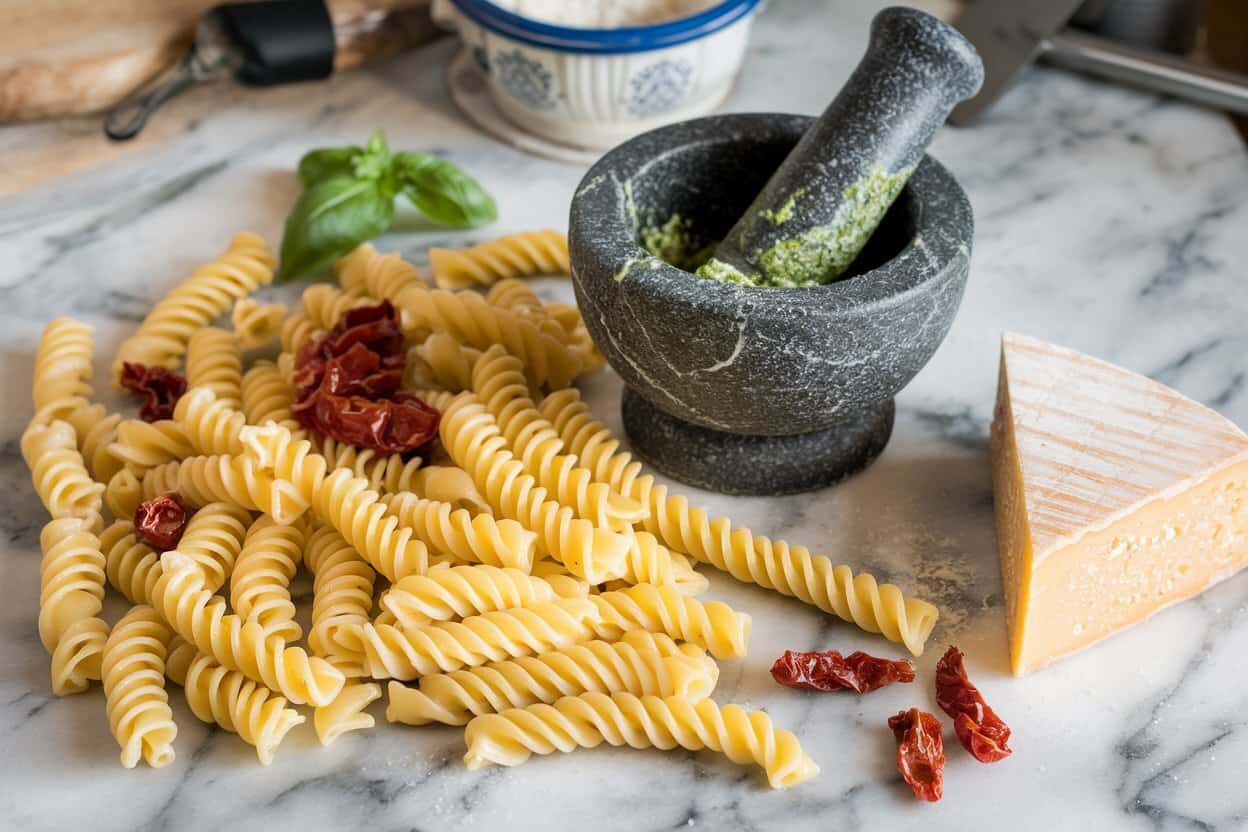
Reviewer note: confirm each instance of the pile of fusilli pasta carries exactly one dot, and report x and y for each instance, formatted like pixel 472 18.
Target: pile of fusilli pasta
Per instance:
pixel 532 583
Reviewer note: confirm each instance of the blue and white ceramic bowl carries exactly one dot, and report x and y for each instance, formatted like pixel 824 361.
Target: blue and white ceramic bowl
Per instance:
pixel 594 88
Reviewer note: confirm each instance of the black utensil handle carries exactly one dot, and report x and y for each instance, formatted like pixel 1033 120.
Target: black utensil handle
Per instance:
pixel 281 40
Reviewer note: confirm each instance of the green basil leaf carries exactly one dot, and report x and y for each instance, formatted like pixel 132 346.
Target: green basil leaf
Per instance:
pixel 443 192
pixel 330 219
pixel 327 163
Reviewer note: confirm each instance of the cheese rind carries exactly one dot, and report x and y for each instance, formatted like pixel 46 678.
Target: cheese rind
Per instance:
pixel 1115 497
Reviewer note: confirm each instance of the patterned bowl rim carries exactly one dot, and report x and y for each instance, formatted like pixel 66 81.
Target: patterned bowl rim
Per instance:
pixel 604 41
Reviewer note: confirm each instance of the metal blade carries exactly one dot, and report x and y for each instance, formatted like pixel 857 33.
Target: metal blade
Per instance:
pixel 1008 36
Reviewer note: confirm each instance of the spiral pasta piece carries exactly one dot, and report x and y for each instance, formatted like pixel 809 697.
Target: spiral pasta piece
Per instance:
pixel 468 318
pixel 790 570
pixel 200 480
pixel 240 705
pixel 498 379
pixel 144 445
pixel 384 472
pixel 346 503
pixel 527 254
pixel 131 565
pixel 63 366
pixel 71 593
pixel 256 324
pixel 59 473
pixel 460 591
pixel 442 362
pixel 563 582
pixel 713 625
pixel 200 617
pixel 211 425
pixel 518 296
pixel 260 583
pixel 162 337
pixel 444 646
pixel 268 396
pixel 297 330
pixel 298 471
pixel 213 539
pixel 325 305
pixel 470 538
pixel 346 712
pixel 635 664
pixel 134 688
pixel 214 361
pixel 585 721
pixel 449 484
pixel 381 276
pixel 342 599
pixel 474 441
pixel 97 431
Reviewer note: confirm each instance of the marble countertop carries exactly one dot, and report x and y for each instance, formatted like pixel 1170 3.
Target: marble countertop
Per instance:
pixel 1108 220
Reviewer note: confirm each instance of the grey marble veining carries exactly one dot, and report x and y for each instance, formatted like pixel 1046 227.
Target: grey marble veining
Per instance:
pixel 1107 220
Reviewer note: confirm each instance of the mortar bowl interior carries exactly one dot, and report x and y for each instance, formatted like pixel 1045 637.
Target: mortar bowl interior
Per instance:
pixel 749 360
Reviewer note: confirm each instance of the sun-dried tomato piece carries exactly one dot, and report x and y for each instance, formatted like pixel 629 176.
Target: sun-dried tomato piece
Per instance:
pixel 161 389
pixel 347 383
pixel 160 521
pixel 397 425
pixel 978 727
pixel 829 670
pixel 920 752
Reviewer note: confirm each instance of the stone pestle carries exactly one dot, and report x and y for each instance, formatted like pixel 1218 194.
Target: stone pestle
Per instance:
pixel 821 206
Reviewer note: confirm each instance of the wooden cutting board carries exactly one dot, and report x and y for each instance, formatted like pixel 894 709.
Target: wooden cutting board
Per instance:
pixel 63 57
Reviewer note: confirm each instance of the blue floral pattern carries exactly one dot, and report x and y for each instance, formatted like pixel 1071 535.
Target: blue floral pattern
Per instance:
pixel 525 79
pixel 659 87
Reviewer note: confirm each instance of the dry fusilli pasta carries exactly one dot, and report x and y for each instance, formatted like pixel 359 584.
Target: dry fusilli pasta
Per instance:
pixel 441 361
pixel 71 592
pixel 260 582
pixel 256 324
pixel 59 473
pixel 268 396
pixel 123 493
pixel 226 697
pixel 460 591
pixel 144 445
pixel 527 254
pixel 132 566
pixel 381 276
pixel 444 646
pixel 634 664
pixel 662 609
pixel 207 294
pixel 584 721
pixel 134 688
pixel 346 712
pixel 478 538
pixel 790 570
pixel 214 361
pixel 342 598
pixel 324 305
pixel 200 480
pixel 498 379
pixel 473 439
pixel 470 320
pixel 211 425
pixel 213 539
pixel 200 617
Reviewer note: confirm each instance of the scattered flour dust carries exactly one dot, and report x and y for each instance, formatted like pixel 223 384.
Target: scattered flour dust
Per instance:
pixel 605 14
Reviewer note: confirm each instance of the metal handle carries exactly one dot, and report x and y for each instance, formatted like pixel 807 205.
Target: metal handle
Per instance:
pixel 1221 89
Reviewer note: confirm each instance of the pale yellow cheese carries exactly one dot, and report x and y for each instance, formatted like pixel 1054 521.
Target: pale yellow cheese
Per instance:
pixel 1115 497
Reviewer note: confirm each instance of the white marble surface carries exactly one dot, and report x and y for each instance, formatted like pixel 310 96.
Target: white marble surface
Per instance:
pixel 1109 220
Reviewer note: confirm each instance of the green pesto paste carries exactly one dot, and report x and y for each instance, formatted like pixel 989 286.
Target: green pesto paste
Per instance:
pixel 677 243
pixel 820 254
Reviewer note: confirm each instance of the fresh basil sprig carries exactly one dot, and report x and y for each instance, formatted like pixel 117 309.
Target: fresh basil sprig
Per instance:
pixel 348 198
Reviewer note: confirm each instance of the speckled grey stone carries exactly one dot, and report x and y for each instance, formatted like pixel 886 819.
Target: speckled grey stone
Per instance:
pixel 730 462
pixel 758 361
pixel 915 70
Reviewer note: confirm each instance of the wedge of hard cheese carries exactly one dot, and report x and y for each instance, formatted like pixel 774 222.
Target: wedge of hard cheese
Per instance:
pixel 1115 497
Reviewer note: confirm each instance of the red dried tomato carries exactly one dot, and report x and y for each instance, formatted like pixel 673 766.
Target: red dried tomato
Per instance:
pixel 829 671
pixel 160 521
pixel 978 727
pixel 161 389
pixel 920 752
pixel 348 382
